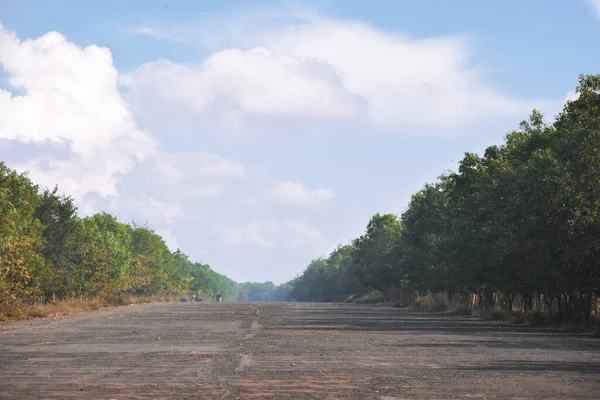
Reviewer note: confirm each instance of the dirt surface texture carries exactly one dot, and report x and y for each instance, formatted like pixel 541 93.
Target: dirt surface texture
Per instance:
pixel 289 351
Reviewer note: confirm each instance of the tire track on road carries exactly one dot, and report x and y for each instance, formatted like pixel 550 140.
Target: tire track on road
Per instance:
pixel 251 325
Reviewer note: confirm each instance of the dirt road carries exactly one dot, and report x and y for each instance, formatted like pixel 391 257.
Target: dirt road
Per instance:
pixel 288 351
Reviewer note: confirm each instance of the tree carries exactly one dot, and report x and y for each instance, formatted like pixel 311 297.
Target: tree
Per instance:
pixel 58 216
pixel 22 269
pixel 518 225
pixel 374 253
pixel 422 249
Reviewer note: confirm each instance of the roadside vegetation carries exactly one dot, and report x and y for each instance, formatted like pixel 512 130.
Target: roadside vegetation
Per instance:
pixel 27 310
pixel 514 233
pixel 51 259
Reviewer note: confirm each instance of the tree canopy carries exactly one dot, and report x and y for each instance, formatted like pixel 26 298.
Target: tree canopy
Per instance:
pixel 48 252
pixel 519 225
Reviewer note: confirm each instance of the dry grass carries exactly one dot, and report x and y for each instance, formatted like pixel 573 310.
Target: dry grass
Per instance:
pixel 68 306
pixel 436 304
pixel 432 303
pixel 460 311
pixel 373 297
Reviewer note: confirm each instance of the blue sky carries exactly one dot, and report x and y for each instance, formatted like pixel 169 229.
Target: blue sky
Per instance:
pixel 256 136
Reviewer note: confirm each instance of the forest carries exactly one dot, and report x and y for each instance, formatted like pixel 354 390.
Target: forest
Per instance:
pixel 48 252
pixel 517 228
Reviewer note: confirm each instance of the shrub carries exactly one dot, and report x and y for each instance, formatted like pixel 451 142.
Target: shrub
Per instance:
pixel 371 298
pixel 430 303
pixel 498 315
pixel 462 310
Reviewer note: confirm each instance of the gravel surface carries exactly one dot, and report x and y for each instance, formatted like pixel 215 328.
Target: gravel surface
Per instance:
pixel 289 351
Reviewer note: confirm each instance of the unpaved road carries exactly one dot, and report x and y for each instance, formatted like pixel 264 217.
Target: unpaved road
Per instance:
pixel 288 351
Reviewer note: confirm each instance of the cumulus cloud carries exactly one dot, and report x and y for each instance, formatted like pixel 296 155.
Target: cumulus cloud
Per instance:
pixel 238 91
pixel 67 99
pixel 296 194
pixel 308 70
pixel 267 234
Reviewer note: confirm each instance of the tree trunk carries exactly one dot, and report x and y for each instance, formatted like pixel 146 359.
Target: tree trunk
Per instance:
pixel 527 302
pixel 560 312
pixel 509 302
pixel 588 308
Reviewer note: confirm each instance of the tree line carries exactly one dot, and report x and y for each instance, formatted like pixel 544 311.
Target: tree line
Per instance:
pixel 515 228
pixel 47 251
pixel 262 291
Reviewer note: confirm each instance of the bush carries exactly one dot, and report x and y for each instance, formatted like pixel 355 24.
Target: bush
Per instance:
pixel 430 303
pixel 498 315
pixel 373 297
pixel 66 306
pixel 537 317
pixel 462 311
pixel 531 317
pixel 438 307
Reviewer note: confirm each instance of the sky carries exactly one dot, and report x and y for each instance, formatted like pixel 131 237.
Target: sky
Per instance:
pixel 257 136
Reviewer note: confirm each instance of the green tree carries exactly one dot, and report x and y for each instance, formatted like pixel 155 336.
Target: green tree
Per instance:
pixel 374 253
pixel 22 269
pixel 58 216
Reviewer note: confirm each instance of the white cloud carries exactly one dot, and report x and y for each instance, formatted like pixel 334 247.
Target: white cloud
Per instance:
pixel 303 236
pixel 297 195
pixel 70 98
pixel 269 234
pixel 572 95
pixel 138 207
pixel 553 111
pixel 407 82
pixel 146 207
pixel 233 91
pixel 169 238
pixel 227 28
pixel 182 176
pixel 595 6
pixel 255 233
pixel 157 34
pixel 308 70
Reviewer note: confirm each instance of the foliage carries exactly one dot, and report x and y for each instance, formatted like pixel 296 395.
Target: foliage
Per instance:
pixel 516 228
pixel 21 265
pixel 330 279
pixel 375 256
pixel 47 252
